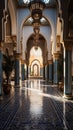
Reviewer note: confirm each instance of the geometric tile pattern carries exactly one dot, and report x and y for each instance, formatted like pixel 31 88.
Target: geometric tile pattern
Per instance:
pixel 36 106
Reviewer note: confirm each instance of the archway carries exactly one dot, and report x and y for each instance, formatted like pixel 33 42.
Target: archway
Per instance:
pixel 36 69
pixel 35 61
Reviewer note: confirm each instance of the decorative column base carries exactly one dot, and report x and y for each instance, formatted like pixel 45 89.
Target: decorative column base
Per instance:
pixel 68 97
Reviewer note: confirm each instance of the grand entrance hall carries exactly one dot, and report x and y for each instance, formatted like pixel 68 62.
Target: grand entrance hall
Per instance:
pixel 36 64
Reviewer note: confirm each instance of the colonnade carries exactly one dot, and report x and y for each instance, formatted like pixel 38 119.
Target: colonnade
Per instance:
pixel 51 74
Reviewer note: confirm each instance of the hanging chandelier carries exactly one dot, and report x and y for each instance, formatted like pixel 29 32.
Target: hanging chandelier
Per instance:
pixel 36 8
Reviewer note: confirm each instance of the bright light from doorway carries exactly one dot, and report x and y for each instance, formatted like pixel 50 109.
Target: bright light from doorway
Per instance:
pixel 35 54
pixel 35 61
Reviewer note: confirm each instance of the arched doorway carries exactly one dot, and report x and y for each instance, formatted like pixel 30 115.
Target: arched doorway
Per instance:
pixel 35 61
pixel 35 70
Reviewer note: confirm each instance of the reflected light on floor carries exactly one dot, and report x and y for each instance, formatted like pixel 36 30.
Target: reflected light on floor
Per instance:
pixel 35 105
pixel 64 116
pixel 51 96
pixel 36 101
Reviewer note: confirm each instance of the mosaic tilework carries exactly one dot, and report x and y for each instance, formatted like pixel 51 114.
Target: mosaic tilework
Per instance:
pixel 36 106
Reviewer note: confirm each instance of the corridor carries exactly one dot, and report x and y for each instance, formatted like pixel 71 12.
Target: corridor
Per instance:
pixel 36 106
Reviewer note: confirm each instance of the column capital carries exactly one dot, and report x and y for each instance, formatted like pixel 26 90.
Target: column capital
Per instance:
pixel 18 56
pixel 50 61
pixel 68 44
pixel 22 61
pixel 56 56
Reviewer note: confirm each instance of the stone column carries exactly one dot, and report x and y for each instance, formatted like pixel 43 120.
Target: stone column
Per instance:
pixel 27 72
pixel 18 70
pixel 23 70
pixel 55 68
pixel 46 72
pixel 50 70
pixel 2 7
pixel 1 58
pixel 43 71
pixel 67 71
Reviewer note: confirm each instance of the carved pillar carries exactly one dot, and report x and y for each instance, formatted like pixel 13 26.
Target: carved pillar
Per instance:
pixel 18 69
pixel 55 68
pixel 67 71
pixel 1 58
pixel 23 70
pixel 50 70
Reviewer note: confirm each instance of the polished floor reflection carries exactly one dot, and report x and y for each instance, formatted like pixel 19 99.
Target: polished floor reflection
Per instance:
pixel 36 106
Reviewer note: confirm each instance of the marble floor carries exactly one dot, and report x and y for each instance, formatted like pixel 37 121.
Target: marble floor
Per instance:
pixel 36 105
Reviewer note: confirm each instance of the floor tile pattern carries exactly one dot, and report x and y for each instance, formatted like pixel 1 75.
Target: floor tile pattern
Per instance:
pixel 36 105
